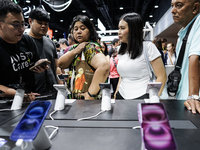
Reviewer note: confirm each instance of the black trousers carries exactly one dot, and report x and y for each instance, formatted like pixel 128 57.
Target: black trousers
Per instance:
pixel 114 82
pixel 119 96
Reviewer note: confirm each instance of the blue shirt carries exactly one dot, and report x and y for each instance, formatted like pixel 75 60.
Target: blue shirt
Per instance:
pixel 192 48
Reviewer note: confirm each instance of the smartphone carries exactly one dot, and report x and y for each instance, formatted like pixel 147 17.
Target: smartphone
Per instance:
pixel 42 64
pixel 31 122
pixel 156 132
pixel 62 76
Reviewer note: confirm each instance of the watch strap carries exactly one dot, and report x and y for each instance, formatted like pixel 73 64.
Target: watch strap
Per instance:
pixel 196 97
pixel 91 94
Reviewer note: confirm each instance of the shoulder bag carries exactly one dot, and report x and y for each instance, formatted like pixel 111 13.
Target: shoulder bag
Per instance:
pixel 174 77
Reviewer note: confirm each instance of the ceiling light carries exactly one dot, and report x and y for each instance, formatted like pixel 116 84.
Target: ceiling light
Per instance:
pixel 121 8
pixel 156 6
pixel 83 11
pixel 56 30
pixel 151 16
pixel 91 19
pixel 61 20
pixel 28 1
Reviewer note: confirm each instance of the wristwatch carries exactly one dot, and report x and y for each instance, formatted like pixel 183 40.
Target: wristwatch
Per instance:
pixel 196 97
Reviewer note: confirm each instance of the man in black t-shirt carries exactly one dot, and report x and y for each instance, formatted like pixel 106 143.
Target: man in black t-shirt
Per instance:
pixel 39 23
pixel 17 51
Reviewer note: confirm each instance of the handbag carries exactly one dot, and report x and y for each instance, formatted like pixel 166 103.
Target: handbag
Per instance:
pixel 152 75
pixel 174 77
pixel 82 77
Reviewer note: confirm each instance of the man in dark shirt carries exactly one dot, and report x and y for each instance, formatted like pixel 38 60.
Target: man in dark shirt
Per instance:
pixel 39 22
pixel 17 51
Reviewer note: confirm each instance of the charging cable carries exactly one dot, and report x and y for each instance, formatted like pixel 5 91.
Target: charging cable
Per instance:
pixel 136 127
pixel 50 115
pixel 55 130
pixel 91 116
pixel 5 109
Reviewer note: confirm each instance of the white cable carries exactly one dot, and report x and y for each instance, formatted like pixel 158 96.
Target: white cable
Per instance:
pixel 56 129
pixel 50 115
pixel 91 116
pixel 136 127
pixel 5 109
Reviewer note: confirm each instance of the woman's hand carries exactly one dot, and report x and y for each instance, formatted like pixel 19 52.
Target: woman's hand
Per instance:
pixel 87 96
pixel 80 47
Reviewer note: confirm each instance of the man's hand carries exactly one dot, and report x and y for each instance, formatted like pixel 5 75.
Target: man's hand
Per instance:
pixel 30 97
pixel 193 105
pixel 42 68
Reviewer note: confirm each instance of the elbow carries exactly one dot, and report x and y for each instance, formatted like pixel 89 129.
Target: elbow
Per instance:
pixel 61 63
pixel 104 67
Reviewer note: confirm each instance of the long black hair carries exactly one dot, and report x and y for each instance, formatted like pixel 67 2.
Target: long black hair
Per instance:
pixel 86 21
pixel 135 38
pixel 106 48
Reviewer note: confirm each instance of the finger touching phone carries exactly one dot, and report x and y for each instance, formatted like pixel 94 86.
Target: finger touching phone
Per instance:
pixel 42 63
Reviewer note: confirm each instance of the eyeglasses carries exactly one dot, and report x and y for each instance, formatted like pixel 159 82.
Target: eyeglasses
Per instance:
pixel 18 25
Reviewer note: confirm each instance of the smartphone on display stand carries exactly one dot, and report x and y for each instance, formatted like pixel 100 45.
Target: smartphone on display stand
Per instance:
pixel 156 132
pixel 31 122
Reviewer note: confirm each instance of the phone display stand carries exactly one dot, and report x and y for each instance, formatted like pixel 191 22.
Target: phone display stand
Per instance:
pixel 60 98
pixel 153 89
pixel 18 99
pixel 42 141
pixel 106 96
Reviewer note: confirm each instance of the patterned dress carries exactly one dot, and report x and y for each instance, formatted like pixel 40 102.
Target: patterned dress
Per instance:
pixel 90 51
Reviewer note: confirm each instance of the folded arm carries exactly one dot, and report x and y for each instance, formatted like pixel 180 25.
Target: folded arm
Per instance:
pixel 102 66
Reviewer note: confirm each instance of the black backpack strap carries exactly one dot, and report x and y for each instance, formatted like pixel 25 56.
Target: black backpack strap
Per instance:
pixel 114 62
pixel 182 51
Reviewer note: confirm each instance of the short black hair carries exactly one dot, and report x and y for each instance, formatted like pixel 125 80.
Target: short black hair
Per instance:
pixel 7 6
pixel 86 21
pixel 39 14
pixel 115 41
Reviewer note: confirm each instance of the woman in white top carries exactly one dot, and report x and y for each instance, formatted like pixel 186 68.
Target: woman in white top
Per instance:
pixel 170 56
pixel 132 67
